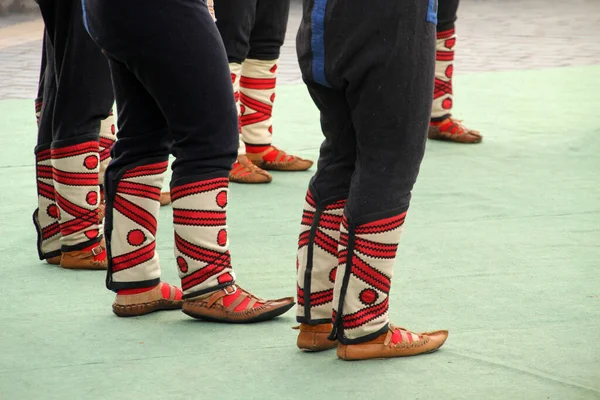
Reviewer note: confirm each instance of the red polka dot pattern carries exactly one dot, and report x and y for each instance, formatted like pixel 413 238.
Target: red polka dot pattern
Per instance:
pixel 92 198
pixel 53 211
pixel 182 264
pixel 368 296
pixel 136 237
pixel 332 274
pixel 222 237
pixel 447 104
pixel 90 162
pixel 93 234
pixel 222 199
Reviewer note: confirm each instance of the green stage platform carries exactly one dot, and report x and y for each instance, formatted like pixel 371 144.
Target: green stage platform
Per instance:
pixel 501 247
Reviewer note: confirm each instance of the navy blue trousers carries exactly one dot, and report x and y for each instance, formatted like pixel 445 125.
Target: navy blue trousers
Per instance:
pixel 369 69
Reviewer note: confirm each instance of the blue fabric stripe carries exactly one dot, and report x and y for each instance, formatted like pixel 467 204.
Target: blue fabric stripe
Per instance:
pixel 432 11
pixel 85 21
pixel 318 42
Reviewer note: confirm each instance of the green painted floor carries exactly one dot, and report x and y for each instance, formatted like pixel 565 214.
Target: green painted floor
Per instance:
pixel 501 247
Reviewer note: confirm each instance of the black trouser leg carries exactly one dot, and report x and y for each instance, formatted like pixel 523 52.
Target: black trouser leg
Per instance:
pixel 252 28
pixel 77 95
pixel 446 14
pixel 40 93
pixel 83 88
pixel 269 29
pixel 235 21
pixel 384 92
pixel 192 113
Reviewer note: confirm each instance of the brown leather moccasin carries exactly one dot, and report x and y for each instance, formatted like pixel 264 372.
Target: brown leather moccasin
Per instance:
pixel 246 307
pixel 452 130
pixel 133 305
pixel 243 171
pixel 396 342
pixel 274 159
pixel 93 258
pixel 313 338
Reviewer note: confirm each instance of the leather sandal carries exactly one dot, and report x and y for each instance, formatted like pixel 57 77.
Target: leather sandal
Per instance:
pixel 243 171
pixel 274 159
pixel 133 305
pixel 93 258
pixel 313 338
pixel 396 342
pixel 210 307
pixel 452 130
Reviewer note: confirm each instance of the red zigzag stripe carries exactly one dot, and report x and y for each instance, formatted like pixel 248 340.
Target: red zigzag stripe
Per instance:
pixel 330 221
pixel 310 200
pixel 254 118
pixel 77 225
pixel 196 252
pixel 45 190
pixel 75 178
pixel 316 299
pixel 320 298
pixel 199 217
pixel 145 170
pixel 134 258
pixel 365 315
pixel 300 295
pixel 43 155
pixel 326 242
pixel 50 230
pixel 444 55
pixel 139 190
pixel 338 205
pixel 445 34
pixel 307 218
pixel 303 239
pixel 199 187
pixel 256 105
pixel 135 213
pixel 441 88
pixel 382 225
pixel 370 275
pixel 258 83
pixel 44 172
pixel 76 211
pixel 374 249
pixel 203 274
pixel 75 150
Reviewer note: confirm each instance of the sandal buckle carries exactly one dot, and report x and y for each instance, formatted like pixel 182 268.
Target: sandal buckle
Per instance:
pixel 230 293
pixel 96 251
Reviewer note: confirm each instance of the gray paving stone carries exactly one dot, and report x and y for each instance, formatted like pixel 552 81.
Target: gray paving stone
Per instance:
pixel 494 35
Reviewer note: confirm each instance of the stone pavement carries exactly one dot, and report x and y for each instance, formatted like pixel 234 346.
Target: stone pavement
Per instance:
pixel 494 35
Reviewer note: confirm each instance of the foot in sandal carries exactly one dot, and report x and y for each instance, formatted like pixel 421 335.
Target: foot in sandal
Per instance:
pixel 235 305
pixel 135 302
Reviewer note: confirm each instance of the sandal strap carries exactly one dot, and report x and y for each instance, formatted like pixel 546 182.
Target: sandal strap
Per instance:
pixel 251 304
pixel 172 290
pixel 241 297
pixel 86 254
pixel 219 294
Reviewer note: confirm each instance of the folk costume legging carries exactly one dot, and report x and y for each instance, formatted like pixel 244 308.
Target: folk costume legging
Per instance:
pixel 369 69
pixel 74 96
pixel 173 93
